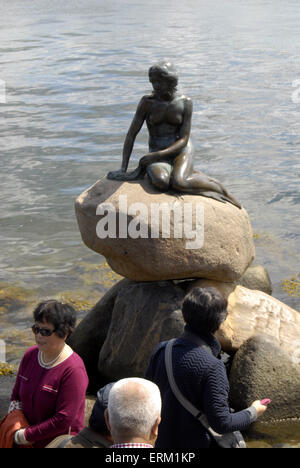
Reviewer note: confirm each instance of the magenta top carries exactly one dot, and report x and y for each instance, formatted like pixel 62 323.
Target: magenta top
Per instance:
pixel 53 400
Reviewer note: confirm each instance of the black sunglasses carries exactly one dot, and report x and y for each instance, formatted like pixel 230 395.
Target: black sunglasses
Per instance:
pixel 42 331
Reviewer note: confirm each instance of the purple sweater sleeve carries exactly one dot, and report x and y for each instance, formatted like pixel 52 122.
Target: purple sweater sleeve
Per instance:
pixel 71 395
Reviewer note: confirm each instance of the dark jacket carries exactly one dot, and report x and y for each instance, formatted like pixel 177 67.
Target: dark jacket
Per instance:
pixel 87 438
pixel 202 379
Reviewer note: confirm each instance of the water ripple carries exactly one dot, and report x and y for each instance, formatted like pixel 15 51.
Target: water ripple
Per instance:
pixel 73 81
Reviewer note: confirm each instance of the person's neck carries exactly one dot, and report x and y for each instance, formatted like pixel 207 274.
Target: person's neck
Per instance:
pixel 132 440
pixel 166 97
pixel 47 357
pixel 209 339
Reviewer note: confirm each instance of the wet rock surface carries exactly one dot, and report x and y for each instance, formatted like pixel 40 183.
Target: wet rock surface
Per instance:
pixel 6 385
pixel 261 369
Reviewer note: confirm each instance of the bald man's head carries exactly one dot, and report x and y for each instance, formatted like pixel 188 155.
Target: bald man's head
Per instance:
pixel 134 407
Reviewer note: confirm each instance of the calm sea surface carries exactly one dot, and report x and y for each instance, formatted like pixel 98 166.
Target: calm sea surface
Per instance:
pixel 71 76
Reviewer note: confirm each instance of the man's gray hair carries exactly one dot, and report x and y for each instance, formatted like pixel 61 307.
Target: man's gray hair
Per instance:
pixel 134 405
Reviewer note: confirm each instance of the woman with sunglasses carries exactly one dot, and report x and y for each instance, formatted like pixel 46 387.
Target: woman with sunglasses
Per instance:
pixel 51 383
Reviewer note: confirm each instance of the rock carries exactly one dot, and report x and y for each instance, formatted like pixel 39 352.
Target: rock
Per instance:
pixel 261 369
pixel 285 446
pixel 254 312
pixel 119 334
pixel 224 288
pixel 7 383
pixel 144 314
pixel 255 277
pixel 90 334
pixel 89 405
pixel 178 252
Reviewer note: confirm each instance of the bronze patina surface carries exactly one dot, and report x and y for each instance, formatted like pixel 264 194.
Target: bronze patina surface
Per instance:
pixel 169 163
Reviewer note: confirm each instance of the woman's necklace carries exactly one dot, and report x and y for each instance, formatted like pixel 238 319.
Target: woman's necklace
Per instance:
pixel 48 364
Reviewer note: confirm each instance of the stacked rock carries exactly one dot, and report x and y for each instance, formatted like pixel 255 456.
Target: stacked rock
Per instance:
pixel 146 235
pixel 164 245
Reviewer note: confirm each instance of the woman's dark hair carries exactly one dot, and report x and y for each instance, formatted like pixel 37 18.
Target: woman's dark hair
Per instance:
pixel 62 316
pixel 204 310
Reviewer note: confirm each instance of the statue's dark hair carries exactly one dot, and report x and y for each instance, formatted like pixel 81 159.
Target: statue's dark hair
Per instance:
pixel 167 70
pixel 61 316
pixel 204 310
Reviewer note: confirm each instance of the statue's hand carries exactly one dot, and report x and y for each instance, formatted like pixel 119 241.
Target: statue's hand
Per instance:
pixel 151 158
pixel 144 162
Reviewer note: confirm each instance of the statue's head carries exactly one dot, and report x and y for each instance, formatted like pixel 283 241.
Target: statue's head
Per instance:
pixel 164 72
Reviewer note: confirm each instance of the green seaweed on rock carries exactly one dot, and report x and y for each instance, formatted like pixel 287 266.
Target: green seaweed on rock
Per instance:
pixel 81 301
pixel 292 286
pixel 14 297
pixel 95 274
pixel 7 369
pixel 95 280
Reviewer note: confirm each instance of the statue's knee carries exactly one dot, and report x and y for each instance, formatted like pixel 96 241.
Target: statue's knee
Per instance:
pixel 162 184
pixel 160 181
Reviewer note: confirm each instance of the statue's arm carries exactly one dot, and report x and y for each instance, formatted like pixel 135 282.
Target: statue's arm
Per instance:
pixel 179 145
pixel 134 129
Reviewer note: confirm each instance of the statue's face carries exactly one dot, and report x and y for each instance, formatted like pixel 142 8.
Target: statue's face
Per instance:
pixel 161 85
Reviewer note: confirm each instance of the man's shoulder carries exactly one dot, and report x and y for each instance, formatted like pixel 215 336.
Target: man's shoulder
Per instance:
pixel 84 439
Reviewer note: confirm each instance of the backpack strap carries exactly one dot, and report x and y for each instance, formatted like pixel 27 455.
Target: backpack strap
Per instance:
pixel 199 415
pixel 185 403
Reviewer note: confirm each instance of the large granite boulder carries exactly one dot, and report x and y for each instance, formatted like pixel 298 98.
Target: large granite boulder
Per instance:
pixel 147 235
pixel 255 277
pixel 261 369
pixel 118 336
pixel 254 312
pixel 7 383
pixel 144 314
pixel 90 334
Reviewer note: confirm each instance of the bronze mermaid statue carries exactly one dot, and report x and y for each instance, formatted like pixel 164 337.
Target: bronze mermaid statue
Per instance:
pixel 169 163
